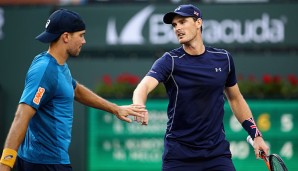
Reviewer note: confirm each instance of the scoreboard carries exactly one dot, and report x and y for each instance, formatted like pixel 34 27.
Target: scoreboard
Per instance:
pixel 116 145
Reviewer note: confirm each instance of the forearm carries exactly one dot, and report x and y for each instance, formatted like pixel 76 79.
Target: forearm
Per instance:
pixel 19 126
pixel 89 98
pixel 141 92
pixel 16 134
pixel 240 109
pixel 140 96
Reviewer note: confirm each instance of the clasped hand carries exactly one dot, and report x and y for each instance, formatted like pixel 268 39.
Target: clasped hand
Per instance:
pixel 141 119
pixel 137 111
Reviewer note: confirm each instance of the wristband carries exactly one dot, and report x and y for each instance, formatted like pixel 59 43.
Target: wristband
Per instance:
pixel 251 128
pixel 8 157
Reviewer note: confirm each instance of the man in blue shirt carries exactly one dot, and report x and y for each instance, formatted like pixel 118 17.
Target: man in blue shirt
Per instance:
pixel 41 130
pixel 197 79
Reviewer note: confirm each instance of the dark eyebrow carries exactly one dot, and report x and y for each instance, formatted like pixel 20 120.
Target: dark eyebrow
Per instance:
pixel 181 19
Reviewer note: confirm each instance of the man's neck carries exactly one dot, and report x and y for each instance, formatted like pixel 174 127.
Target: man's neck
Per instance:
pixel 194 48
pixel 58 53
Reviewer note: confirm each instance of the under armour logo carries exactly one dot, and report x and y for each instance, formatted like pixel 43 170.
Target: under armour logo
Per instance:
pixel 217 69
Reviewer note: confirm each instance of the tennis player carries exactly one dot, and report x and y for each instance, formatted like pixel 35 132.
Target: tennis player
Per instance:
pixel 198 79
pixel 41 129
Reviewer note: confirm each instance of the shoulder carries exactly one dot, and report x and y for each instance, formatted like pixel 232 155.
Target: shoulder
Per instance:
pixel 41 59
pixel 216 50
pixel 44 61
pixel 168 58
pixel 41 64
pixel 176 52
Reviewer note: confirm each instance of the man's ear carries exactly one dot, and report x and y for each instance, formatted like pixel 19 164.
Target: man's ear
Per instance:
pixel 65 37
pixel 200 23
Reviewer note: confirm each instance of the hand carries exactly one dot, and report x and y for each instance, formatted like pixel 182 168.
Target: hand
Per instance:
pixel 143 120
pixel 4 167
pixel 129 110
pixel 260 145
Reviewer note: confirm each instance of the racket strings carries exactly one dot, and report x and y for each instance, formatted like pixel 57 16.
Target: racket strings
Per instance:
pixel 277 164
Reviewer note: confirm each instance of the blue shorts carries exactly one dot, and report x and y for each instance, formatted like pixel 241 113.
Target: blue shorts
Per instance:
pixel 23 165
pixel 178 157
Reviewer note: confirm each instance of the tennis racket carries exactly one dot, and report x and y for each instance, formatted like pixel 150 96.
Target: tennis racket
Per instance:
pixel 273 161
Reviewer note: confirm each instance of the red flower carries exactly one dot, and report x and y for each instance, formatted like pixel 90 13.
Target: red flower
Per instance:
pixel 293 79
pixel 128 78
pixel 107 80
pixel 267 79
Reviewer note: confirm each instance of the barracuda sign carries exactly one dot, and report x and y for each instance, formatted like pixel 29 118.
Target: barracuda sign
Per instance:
pixel 259 30
pixel 262 29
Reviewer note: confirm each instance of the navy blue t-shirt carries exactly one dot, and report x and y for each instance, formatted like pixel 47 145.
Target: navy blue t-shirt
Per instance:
pixel 195 86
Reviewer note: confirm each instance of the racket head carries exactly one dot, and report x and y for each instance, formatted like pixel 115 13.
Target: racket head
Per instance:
pixel 276 163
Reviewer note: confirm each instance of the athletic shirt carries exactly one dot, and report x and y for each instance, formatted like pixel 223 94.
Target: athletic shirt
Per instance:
pixel 195 86
pixel 49 89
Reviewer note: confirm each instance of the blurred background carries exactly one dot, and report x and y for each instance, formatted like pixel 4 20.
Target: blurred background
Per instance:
pixel 124 38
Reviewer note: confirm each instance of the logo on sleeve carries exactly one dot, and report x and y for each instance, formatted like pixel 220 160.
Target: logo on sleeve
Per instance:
pixel 152 71
pixel 38 95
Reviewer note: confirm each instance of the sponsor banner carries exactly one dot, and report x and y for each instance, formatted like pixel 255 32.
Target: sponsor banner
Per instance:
pixel 140 27
pixel 242 25
pixel 117 145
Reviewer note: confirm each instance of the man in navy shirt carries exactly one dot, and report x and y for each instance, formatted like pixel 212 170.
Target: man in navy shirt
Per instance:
pixel 41 130
pixel 197 79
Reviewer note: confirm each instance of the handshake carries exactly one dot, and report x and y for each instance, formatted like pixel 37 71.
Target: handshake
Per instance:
pixel 144 112
pixel 139 113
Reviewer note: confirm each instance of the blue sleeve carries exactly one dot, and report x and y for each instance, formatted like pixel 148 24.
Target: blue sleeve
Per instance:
pixel 74 83
pixel 232 79
pixel 40 84
pixel 162 68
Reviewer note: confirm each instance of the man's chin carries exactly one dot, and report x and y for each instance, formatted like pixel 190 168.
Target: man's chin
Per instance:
pixel 182 41
pixel 74 55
